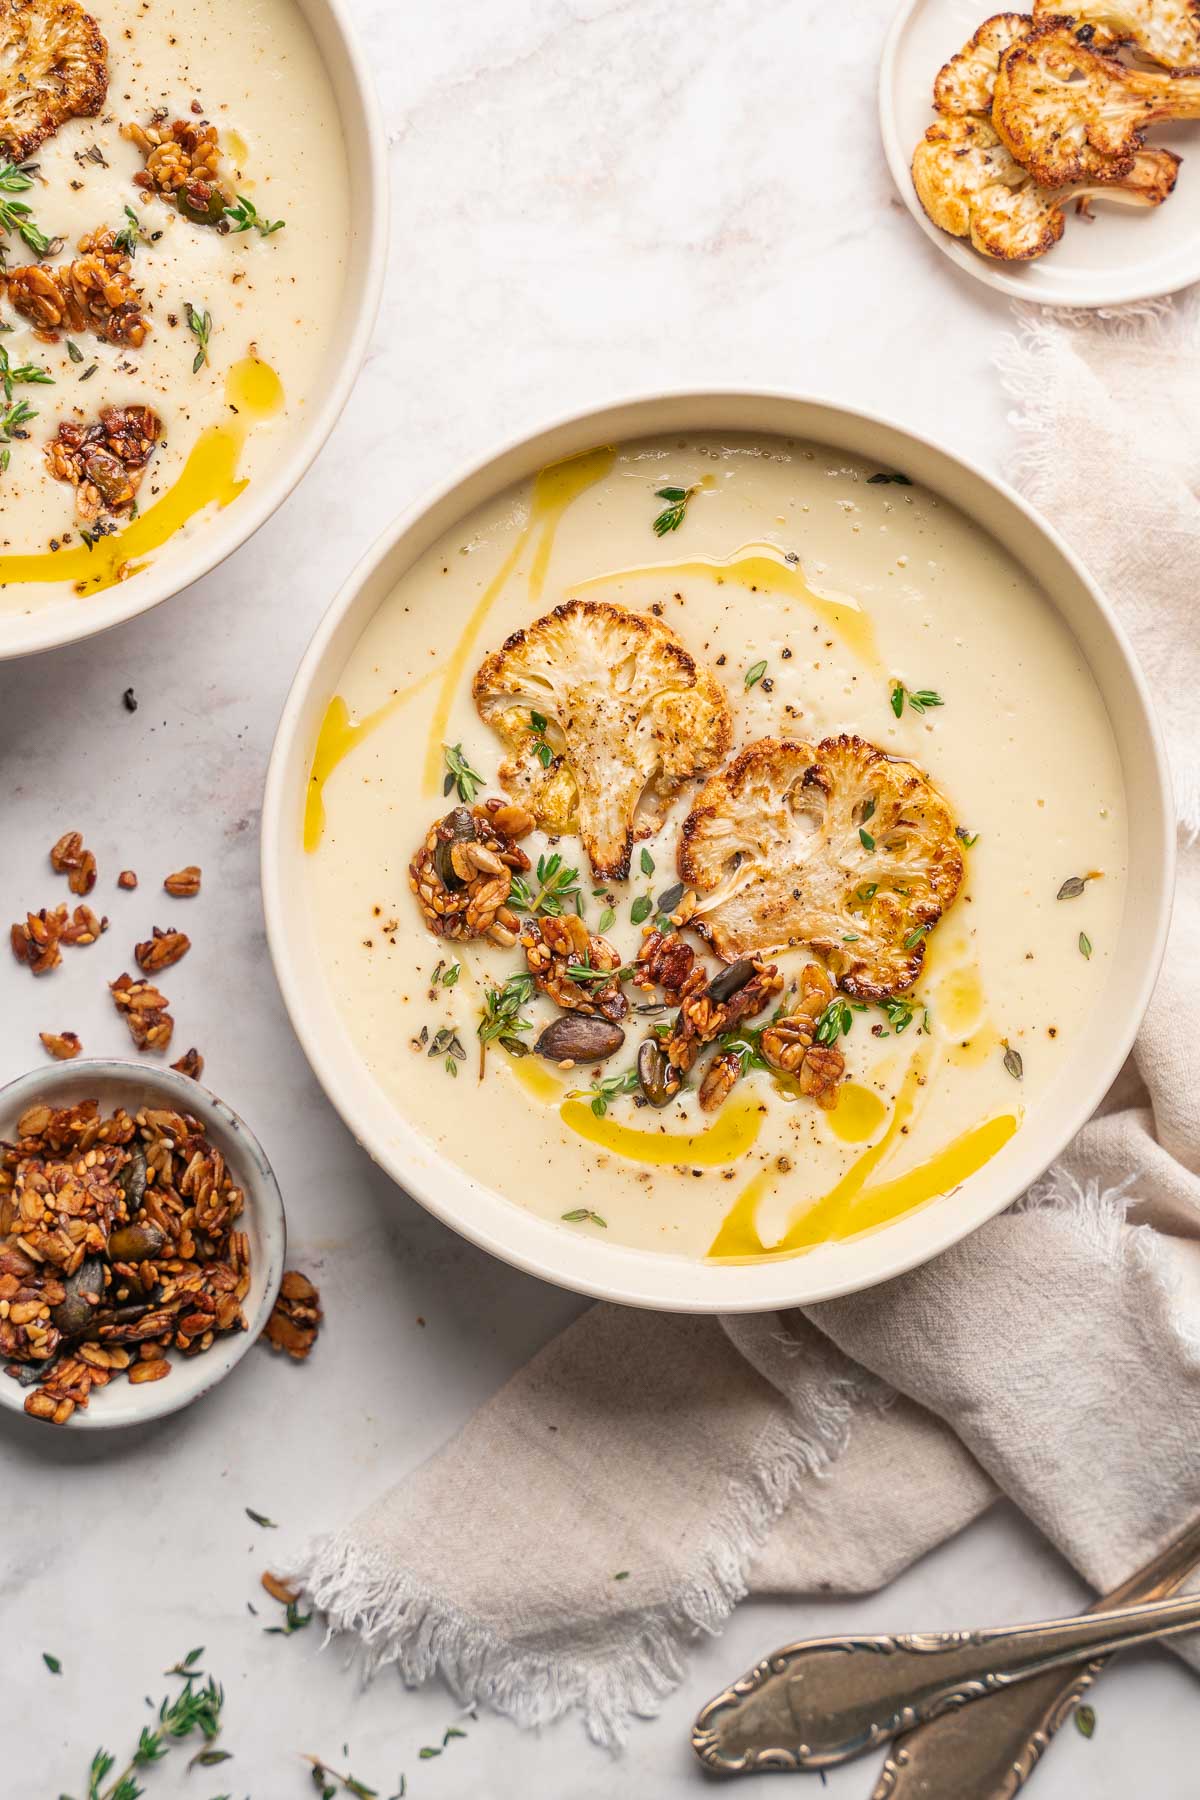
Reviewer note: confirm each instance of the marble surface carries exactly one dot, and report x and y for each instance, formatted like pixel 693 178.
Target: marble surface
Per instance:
pixel 590 197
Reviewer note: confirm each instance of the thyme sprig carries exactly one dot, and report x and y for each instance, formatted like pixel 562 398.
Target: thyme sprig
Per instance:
pixel 835 1021
pixel 195 1709
pixel 200 325
pixel 920 700
pixel 15 215
pixel 14 420
pixel 672 515
pixel 246 217
pixel 324 1779
pixel 555 886
pixel 28 372
pixel 500 1021
pixel 130 234
pixel 539 724
pixel 460 774
pixel 602 1090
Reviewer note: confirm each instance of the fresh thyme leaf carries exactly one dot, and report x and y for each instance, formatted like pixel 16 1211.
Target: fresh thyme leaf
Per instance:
pixel 878 479
pixel 461 775
pixel 621 1575
pixel 200 325
pixel 293 1620
pixel 5 459
pixel 15 215
pixel 1071 888
pixel 428 1750
pixel 1013 1062
pixel 607 918
pixel 52 1663
pixel 968 839
pixel 15 419
pixel 670 897
pixel 73 351
pixel 755 673
pixel 582 971
pixel 261 1519
pixel 865 838
pixel 835 1021
pixel 1085 1721
pixel 208 1759
pixel 898 1013
pixel 450 978
pixel 246 217
pixel 555 885
pixel 130 235
pixel 603 1089
pixel 869 810
pixel 1085 946
pixel 500 1020
pixel 915 935
pixel 920 700
pixel 641 908
pixel 671 517
pixel 647 862
pixel 452 1731
pixel 29 372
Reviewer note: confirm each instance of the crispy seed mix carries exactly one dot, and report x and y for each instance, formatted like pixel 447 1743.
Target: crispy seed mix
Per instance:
pixel 161 950
pixel 184 883
pixel 95 293
pixel 68 857
pixel 127 879
pixel 36 940
pixel 190 1063
pixel 105 461
pixel 145 1009
pixel 295 1317
pixel 182 165
pixel 62 1044
pixel 462 873
pixel 118 1244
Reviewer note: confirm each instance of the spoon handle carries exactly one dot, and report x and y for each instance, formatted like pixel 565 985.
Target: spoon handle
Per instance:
pixel 990 1751
pixel 814 1704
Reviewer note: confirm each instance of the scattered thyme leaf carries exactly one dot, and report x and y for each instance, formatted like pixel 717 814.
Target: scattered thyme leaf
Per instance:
pixel 968 839
pixel 672 515
pixel 835 1021
pixel 865 838
pixel 670 897
pixel 450 978
pixel 603 1089
pixel 261 1519
pixel 755 673
pixel 641 908
pixel 1072 887
pixel 555 886
pixel 15 215
pixel 920 700
pixel 52 1663
pixel 452 1731
pixel 1085 1721
pixel 246 217
pixel 1013 1062
pixel 607 918
pixel 293 1620
pixel 200 325
pixel 460 774
pixel 915 935
pixel 647 862
pixel 130 234
pixel 15 419
pixel 1085 946
pixel 621 1575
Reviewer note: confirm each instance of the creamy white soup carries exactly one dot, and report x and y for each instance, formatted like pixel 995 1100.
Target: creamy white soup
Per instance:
pixel 825 597
pixel 239 323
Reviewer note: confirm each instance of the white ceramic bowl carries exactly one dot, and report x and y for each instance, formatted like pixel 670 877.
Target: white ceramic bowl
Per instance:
pixel 115 1083
pixel 218 536
pixel 613 1271
pixel 1123 254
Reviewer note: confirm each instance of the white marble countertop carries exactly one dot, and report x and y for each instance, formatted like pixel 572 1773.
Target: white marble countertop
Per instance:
pixel 590 197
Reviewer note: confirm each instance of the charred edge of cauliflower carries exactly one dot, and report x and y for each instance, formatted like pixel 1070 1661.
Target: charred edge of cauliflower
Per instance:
pixel 964 84
pixel 1068 113
pixel 971 186
pixel 792 845
pixel 55 67
pixel 630 716
pixel 1167 31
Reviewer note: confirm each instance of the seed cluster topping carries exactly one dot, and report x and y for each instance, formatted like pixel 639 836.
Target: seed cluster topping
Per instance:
pixel 96 292
pixel 105 461
pixel 118 1244
pixel 462 875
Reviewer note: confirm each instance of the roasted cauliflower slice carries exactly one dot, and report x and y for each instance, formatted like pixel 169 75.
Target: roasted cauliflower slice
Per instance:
pixel 1167 31
pixel 1069 114
pixel 972 186
pixel 841 848
pixel 600 708
pixel 965 83
pixel 53 67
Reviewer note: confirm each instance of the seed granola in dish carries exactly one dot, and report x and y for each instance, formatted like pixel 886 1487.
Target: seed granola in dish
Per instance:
pixel 118 1245
pixel 95 293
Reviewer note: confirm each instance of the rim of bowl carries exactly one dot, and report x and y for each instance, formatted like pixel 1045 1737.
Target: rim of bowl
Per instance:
pixel 337 1076
pixel 57 626
pixel 263 1198
pixel 970 262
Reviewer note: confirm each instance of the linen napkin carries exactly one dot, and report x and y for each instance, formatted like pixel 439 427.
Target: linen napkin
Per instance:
pixel 1054 1356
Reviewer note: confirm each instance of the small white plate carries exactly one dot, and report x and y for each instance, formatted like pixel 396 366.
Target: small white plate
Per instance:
pixel 1124 254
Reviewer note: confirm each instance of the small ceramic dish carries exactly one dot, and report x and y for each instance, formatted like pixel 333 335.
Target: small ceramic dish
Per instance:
pixel 480 1209
pixel 132 1085
pixel 1122 254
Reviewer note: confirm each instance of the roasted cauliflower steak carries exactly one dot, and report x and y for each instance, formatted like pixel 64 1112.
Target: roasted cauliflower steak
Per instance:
pixel 1167 31
pixel 626 715
pixel 1070 114
pixel 839 848
pixel 53 67
pixel 965 83
pixel 972 186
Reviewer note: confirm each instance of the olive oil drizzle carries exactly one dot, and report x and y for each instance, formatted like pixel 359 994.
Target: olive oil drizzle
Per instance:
pixel 764 567
pixel 208 478
pixel 735 1130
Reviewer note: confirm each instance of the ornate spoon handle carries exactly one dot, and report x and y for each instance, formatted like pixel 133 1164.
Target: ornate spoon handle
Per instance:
pixel 814 1704
pixel 990 1750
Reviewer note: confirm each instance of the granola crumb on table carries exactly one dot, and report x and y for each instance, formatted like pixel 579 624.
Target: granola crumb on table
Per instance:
pixel 295 1317
pixel 64 1045
pixel 190 1063
pixel 127 879
pixel 184 883
pixel 161 950
pixel 145 1009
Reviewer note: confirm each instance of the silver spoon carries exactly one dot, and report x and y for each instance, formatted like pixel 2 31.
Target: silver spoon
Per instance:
pixel 814 1704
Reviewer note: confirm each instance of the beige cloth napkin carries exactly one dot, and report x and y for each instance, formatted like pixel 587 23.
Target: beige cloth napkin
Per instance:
pixel 1053 1356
